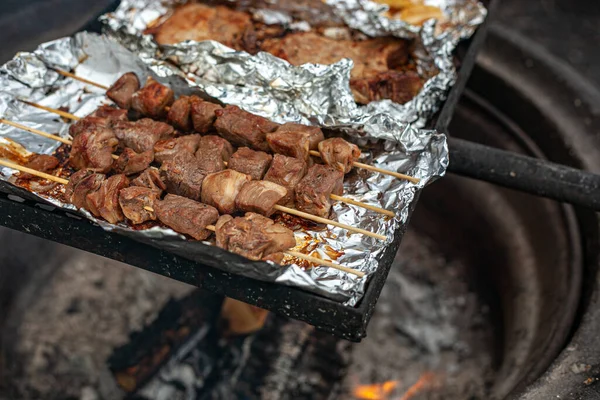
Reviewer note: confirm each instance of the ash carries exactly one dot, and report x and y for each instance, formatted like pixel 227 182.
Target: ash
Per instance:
pixel 427 320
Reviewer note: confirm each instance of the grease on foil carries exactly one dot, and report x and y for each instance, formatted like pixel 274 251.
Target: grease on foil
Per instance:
pixel 102 60
pixel 317 93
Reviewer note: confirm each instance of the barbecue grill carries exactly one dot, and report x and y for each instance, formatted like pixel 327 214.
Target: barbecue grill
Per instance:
pixel 469 159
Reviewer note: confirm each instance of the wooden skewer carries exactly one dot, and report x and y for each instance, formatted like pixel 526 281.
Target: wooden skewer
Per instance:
pixel 33 172
pixel 77 78
pixel 375 169
pixel 114 156
pixel 52 110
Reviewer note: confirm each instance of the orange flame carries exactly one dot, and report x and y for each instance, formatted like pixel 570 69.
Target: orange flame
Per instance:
pixel 425 381
pixel 378 391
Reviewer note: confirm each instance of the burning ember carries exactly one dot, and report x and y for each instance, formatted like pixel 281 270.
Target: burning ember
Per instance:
pixel 386 390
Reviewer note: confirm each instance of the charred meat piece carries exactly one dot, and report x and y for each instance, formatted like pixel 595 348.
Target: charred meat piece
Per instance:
pixel 179 115
pixel 253 236
pixel 400 87
pixel 137 202
pixel 222 188
pixel 315 134
pixel 339 154
pixel 293 144
pixel 112 114
pixel 152 100
pixel 74 181
pixel 105 201
pixel 183 176
pixel 150 179
pixel 130 162
pixel 209 162
pixel 371 58
pixel 259 197
pixel 250 162
pixel 121 92
pixel 142 135
pixel 92 149
pixel 86 185
pixel 186 216
pixel 287 172
pixel 244 129
pixel 201 22
pixel 167 149
pixel 216 144
pixel 40 162
pixel 313 191
pixel 89 123
pixel 203 114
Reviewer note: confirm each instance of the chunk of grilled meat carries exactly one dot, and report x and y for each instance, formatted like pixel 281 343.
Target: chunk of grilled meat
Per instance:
pixel 222 188
pixel 203 114
pixel 150 179
pixel 142 135
pixel 136 203
pixel 315 134
pixel 111 113
pixel 339 154
pixel 372 59
pixel 105 201
pixel 209 162
pixel 313 191
pixel 130 162
pixel 92 149
pixel 199 22
pixel 179 114
pixel 89 123
pixel 88 184
pixel 73 182
pixel 183 176
pixel 253 236
pixel 121 92
pixel 287 172
pixel 186 216
pixel 250 162
pixel 244 129
pixel 167 149
pixel 152 100
pixel 216 144
pixel 259 197
pixel 41 163
pixel 293 144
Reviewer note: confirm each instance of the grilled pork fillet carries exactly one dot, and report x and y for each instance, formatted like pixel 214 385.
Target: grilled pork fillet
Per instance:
pixel 130 162
pixel 150 179
pixel 142 135
pixel 39 162
pixel 186 216
pixel 287 172
pixel 121 92
pixel 152 100
pixel 250 162
pixel 222 188
pixel 253 236
pixel 85 184
pixel 104 202
pixel 201 22
pixel 179 114
pixel 215 144
pixel 93 148
pixel 315 134
pixel 183 176
pixel 244 129
pixel 167 149
pixel 313 191
pixel 339 154
pixel 259 197
pixel 135 202
pixel 203 114
pixel 371 58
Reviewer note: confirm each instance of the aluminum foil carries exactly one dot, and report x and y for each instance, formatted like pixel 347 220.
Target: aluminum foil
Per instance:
pixel 422 154
pixel 317 93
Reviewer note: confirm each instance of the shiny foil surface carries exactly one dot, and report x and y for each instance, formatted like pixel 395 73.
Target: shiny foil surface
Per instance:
pixel 310 92
pixel 419 153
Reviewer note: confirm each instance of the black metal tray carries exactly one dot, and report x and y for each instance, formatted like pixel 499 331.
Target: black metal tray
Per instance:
pixel 346 322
